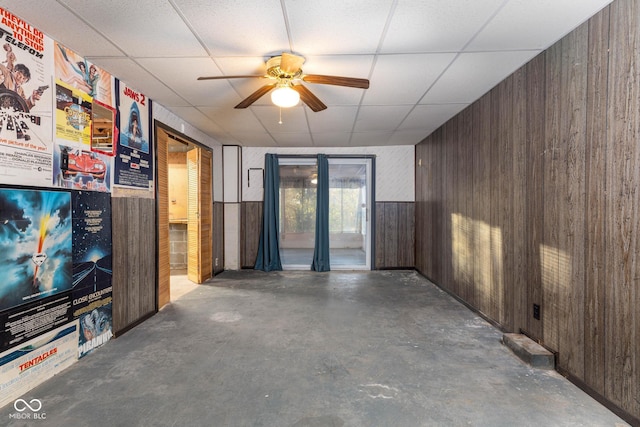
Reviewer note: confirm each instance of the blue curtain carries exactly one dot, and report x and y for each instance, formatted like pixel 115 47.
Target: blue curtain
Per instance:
pixel 321 250
pixel 268 258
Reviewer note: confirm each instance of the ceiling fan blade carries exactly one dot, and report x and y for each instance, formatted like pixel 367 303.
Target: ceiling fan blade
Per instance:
pixel 309 98
pixel 337 81
pixel 290 63
pixel 230 77
pixel 255 96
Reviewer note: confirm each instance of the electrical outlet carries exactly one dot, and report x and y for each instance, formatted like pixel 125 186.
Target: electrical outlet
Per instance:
pixel 536 311
pixel 216 262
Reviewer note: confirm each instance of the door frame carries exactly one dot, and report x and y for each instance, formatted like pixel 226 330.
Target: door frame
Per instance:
pixel 372 192
pixel 163 270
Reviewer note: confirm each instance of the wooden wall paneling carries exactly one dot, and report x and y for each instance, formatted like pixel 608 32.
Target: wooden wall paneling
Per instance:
pixel 134 252
pixel 595 206
pixel 148 263
pixel 120 231
pixel 448 200
pixel 622 299
pixel 519 236
pixel 535 145
pixel 391 234
pixel 571 187
pixel 420 200
pixel 465 204
pixel 380 236
pixel 505 201
pixel 250 228
pixel 495 195
pixel 406 235
pixel 481 113
pixel 218 237
pixel 549 256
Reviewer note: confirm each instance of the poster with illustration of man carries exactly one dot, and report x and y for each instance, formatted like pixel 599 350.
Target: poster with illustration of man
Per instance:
pixel 26 95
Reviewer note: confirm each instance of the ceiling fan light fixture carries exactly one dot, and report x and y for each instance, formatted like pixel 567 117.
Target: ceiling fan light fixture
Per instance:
pixel 285 97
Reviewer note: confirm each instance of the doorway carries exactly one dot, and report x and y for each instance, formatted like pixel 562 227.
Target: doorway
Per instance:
pixel 350 214
pixel 184 186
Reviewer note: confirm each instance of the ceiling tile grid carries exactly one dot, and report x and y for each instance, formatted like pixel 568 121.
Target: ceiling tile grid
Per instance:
pixel 426 60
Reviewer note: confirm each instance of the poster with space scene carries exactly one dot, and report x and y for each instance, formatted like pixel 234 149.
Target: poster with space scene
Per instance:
pixel 92 268
pixel 26 103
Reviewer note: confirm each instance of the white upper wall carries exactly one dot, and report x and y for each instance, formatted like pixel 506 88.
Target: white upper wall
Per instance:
pixel 165 116
pixel 395 176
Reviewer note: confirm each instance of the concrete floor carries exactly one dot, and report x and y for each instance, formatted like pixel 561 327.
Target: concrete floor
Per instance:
pixel 380 348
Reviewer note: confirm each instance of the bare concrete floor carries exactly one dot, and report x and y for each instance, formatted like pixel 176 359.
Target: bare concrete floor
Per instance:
pixel 299 349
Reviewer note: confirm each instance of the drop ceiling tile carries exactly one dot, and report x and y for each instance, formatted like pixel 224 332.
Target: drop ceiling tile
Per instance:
pixel 133 26
pixel 430 117
pixel 233 120
pixel 292 139
pixel 238 28
pixel 525 24
pixel 336 26
pixel 333 119
pixel 410 137
pixel 459 85
pixel 331 139
pixel 183 74
pixel 294 119
pixel 74 34
pixel 380 118
pixel 198 119
pixel 436 25
pixel 254 139
pixel 126 70
pixel 366 139
pixel 403 79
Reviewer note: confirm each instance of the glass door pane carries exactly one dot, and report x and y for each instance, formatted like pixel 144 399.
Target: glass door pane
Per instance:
pixel 349 225
pixel 298 182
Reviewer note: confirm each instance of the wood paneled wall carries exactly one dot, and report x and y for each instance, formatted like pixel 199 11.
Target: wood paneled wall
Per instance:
pixel 250 226
pixel 134 260
pixel 394 235
pixel 218 237
pixel 530 196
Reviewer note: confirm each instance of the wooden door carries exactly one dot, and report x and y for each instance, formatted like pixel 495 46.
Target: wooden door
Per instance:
pixel 199 215
pixel 164 291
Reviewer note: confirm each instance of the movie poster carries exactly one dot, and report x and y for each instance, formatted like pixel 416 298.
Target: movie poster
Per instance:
pixel 76 73
pixel 35 245
pixel 78 168
pixel 134 158
pixel 73 116
pixel 92 270
pixel 25 367
pixel 26 103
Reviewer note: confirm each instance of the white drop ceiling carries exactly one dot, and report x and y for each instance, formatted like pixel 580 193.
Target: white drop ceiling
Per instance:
pixel 426 59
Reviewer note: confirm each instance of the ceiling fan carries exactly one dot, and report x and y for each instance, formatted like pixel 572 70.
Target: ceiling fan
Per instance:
pixel 284 70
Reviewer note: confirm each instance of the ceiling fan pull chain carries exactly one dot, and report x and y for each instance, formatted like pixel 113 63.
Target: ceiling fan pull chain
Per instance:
pixel 280 122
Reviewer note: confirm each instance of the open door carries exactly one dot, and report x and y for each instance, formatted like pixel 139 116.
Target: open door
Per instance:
pixel 199 215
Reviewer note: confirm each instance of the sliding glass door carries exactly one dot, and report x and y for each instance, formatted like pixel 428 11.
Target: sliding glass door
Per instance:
pixel 350 198
pixel 298 183
pixel 349 213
